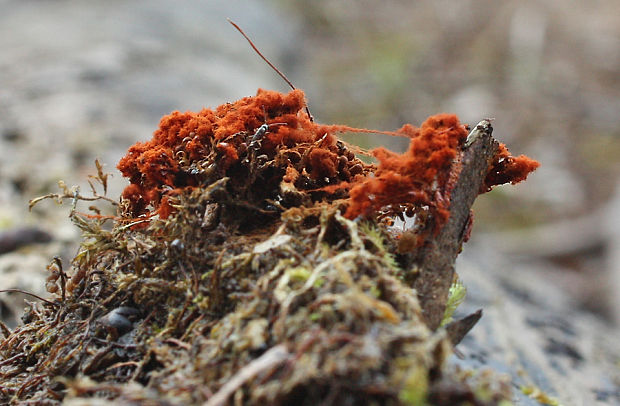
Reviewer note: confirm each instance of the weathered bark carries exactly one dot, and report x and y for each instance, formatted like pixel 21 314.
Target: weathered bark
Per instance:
pixel 438 256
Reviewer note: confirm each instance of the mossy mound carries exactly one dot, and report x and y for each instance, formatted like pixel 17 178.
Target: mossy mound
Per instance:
pixel 207 288
pixel 325 293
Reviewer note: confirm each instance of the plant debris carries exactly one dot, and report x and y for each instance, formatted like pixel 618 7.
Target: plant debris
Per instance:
pixel 253 260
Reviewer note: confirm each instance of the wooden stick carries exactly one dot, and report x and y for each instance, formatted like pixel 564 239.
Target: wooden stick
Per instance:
pixel 438 256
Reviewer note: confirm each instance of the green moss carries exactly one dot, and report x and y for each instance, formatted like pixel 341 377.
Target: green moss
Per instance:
pixel 537 394
pixel 299 274
pixel 377 238
pixel 415 390
pixel 456 296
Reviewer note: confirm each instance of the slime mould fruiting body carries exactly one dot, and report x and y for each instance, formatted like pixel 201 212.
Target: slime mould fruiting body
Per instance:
pixel 275 157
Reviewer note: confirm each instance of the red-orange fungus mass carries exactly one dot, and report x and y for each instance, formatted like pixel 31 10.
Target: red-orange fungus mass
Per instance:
pixel 412 178
pixel 508 169
pixel 271 151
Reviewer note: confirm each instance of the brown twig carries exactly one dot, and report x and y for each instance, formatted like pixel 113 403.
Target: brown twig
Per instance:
pixel 30 294
pixel 63 277
pixel 178 343
pixel 438 256
pixel 270 359
pixel 13 358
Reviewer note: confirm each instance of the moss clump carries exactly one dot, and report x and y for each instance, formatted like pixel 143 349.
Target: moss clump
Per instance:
pixel 456 296
pixel 230 276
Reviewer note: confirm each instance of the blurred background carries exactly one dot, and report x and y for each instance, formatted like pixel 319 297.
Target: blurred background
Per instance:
pixel 84 80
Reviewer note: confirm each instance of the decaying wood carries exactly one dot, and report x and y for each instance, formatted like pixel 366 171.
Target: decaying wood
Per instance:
pixel 438 256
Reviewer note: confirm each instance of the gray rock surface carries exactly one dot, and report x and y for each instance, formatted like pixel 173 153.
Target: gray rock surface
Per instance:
pixel 534 333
